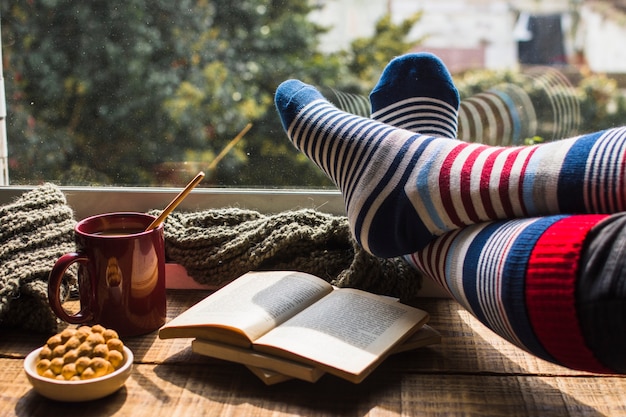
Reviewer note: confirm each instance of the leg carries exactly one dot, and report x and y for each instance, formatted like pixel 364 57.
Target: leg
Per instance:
pixel 543 283
pixel 402 189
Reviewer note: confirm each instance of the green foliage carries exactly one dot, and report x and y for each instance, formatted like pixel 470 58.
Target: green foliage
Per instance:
pixel 368 56
pixel 140 92
pixel 118 91
pixel 600 101
pixel 535 140
pixel 91 77
pixel 475 82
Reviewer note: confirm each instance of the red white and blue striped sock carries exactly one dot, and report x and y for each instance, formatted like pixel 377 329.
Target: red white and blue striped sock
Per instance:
pixel 416 92
pixel 528 281
pixel 402 189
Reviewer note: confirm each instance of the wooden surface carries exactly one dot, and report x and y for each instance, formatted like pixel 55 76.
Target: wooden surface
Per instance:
pixel 472 373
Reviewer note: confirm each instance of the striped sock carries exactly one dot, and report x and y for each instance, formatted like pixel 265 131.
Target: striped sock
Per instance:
pixel 521 277
pixel 415 92
pixel 552 285
pixel 402 189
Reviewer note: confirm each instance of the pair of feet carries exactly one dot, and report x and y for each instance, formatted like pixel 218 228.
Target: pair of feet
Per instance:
pixel 402 188
pixel 529 239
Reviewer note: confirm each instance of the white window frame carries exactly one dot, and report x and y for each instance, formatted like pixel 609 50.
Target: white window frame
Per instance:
pixel 4 149
pixel 88 201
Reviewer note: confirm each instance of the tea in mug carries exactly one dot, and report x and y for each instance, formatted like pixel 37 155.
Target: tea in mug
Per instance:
pixel 118 232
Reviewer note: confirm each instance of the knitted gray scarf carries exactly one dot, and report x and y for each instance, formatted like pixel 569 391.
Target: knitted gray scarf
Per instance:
pixel 35 230
pixel 217 246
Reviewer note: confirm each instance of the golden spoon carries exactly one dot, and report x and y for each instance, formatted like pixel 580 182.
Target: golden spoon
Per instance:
pixel 176 201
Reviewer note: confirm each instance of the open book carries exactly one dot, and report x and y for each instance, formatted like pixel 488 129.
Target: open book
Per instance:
pixel 299 319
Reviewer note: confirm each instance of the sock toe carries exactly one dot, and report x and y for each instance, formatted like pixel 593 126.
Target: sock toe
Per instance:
pixel 291 96
pixel 414 75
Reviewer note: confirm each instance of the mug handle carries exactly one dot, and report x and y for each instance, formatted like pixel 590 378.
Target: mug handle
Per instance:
pixel 54 289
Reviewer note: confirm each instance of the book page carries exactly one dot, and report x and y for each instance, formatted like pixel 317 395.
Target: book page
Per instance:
pixel 268 377
pixel 246 356
pixel 424 336
pixel 252 304
pixel 349 330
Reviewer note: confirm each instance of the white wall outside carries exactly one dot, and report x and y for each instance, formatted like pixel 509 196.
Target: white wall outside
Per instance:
pixel 486 25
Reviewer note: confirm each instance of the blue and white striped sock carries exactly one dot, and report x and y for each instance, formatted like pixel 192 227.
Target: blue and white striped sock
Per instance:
pixel 402 189
pixel 416 92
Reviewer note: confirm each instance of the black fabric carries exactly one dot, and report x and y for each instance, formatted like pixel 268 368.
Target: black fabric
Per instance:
pixel 601 291
pixel 546 46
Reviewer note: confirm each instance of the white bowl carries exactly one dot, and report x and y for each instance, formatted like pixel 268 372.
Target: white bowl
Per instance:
pixel 74 391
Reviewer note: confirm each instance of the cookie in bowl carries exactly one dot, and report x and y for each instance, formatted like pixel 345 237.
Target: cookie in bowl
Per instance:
pixel 80 364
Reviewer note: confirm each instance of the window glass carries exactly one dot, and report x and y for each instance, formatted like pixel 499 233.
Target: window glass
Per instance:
pixel 147 93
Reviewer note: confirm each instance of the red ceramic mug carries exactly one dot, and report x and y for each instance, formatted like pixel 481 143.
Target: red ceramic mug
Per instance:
pixel 121 274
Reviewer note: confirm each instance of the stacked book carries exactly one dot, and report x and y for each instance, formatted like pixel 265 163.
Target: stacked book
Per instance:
pixel 287 324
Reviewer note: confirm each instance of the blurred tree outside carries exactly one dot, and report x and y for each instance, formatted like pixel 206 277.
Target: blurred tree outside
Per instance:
pixel 368 56
pixel 148 92
pixel 599 99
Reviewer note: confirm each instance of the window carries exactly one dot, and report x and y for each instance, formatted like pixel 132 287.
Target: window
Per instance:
pixel 123 102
